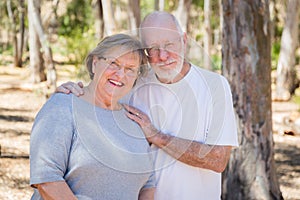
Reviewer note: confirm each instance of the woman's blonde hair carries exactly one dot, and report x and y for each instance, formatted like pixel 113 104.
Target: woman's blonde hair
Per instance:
pixel 128 43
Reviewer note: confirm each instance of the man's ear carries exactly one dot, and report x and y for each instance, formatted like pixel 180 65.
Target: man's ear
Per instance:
pixel 184 42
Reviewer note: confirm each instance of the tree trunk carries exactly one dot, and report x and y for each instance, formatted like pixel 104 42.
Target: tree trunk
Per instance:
pixel 99 23
pixel 36 60
pixel 182 13
pixel 34 10
pixel 134 13
pixel 159 5
pixel 109 24
pixel 13 29
pixel 22 32
pixel 286 74
pixel 251 172
pixel 207 35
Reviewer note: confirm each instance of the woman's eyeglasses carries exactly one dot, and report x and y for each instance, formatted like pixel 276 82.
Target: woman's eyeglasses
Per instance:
pixel 115 65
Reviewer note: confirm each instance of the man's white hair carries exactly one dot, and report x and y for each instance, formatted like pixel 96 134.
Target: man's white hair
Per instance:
pixel 156 14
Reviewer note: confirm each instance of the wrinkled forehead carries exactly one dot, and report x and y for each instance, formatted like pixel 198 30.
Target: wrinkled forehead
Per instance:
pixel 120 50
pixel 158 35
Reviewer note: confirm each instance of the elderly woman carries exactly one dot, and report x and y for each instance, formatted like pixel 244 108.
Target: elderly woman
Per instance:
pixel 85 147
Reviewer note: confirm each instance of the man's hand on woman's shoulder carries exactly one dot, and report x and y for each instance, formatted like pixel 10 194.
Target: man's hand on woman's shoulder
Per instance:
pixel 71 87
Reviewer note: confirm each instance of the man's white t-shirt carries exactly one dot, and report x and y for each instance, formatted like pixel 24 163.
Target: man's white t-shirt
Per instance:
pixel 199 108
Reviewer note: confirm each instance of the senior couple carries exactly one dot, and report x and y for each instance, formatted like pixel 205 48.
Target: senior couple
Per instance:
pixel 172 142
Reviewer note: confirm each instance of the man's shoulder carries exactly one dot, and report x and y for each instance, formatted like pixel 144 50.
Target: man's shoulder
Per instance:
pixel 205 72
pixel 212 79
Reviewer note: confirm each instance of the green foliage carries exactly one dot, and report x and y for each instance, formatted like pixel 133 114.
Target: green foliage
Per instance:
pixel 216 62
pixel 3 14
pixel 296 98
pixel 77 33
pixel 171 5
pixel 6 51
pixel 79 17
pixel 275 54
pixel 7 26
pixel 77 47
pixel 198 3
pixel 278 31
pixel 214 12
pixel 146 7
pixel 199 36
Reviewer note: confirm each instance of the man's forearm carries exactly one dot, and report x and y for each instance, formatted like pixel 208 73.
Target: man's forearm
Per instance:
pixel 194 153
pixel 146 194
pixel 190 152
pixel 56 191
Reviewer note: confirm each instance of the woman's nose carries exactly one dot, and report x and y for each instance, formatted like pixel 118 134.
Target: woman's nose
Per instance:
pixel 120 72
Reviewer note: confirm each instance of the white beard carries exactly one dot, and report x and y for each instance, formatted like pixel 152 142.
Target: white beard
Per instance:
pixel 169 75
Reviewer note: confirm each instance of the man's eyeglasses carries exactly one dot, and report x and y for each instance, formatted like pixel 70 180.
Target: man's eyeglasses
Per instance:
pixel 154 50
pixel 115 65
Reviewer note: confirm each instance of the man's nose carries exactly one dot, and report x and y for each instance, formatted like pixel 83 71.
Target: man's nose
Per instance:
pixel 163 54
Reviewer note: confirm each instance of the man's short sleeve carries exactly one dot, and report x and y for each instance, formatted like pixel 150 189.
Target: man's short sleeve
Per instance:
pixel 223 129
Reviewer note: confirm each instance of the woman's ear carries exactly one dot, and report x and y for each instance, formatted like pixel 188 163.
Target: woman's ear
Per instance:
pixel 94 63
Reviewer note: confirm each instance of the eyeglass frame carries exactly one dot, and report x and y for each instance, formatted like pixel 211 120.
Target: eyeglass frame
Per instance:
pixel 118 66
pixel 158 48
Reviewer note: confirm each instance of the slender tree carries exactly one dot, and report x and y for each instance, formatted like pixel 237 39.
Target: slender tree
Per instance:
pixel 109 23
pixel 99 23
pixel 21 32
pixel 134 13
pixel 35 17
pixel 182 13
pixel 251 172
pixel 36 60
pixel 13 28
pixel 286 74
pixel 17 28
pixel 159 5
pixel 207 34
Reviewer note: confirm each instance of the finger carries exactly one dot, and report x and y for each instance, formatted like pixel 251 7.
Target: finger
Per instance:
pixel 134 114
pixel 134 117
pixel 132 109
pixel 74 88
pixel 71 89
pixel 78 87
pixel 80 84
pixel 62 89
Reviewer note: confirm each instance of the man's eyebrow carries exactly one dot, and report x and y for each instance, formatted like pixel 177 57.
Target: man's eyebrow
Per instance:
pixel 166 41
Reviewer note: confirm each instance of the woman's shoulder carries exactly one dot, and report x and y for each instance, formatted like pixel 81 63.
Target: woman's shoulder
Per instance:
pixel 60 98
pixel 56 104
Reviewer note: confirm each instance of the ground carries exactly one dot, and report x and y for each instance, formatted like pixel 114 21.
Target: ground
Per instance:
pixel 21 100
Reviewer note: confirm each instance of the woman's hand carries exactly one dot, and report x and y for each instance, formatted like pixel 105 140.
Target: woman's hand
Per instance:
pixel 143 121
pixel 71 87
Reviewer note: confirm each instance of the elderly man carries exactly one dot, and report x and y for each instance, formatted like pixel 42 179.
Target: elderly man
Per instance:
pixel 191 109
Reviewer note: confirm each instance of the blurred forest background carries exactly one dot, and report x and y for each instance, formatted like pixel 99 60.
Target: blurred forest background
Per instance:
pixel 44 42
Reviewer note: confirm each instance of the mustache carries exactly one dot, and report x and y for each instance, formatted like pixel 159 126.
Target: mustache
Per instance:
pixel 166 62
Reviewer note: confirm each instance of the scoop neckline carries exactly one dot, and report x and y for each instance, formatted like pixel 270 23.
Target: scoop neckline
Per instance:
pixel 96 107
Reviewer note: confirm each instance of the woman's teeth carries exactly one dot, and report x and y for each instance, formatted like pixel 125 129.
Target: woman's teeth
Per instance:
pixel 117 83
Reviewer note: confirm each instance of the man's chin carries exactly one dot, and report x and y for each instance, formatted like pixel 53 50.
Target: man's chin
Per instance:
pixel 167 76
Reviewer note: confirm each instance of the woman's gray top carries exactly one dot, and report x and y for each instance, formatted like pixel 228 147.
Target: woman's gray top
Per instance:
pixel 101 154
